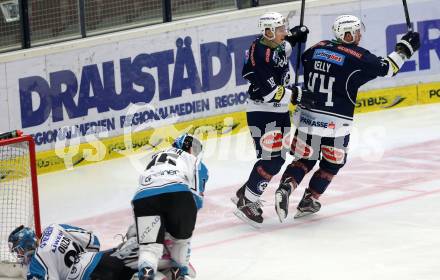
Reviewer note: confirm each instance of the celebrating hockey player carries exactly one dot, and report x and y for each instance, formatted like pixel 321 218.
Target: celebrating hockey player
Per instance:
pixel 65 252
pixel 267 70
pixel 333 72
pixel 169 195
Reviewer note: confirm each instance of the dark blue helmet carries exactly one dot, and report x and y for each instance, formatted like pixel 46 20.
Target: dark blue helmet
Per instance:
pixel 23 242
pixel 189 144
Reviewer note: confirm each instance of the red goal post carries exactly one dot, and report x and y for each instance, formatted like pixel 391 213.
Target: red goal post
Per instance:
pixel 19 204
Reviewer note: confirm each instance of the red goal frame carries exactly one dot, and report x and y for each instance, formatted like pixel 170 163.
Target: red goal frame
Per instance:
pixel 33 168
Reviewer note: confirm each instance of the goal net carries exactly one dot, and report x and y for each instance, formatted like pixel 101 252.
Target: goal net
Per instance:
pixel 18 195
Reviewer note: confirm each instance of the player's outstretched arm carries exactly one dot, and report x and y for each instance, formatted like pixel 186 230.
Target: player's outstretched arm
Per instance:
pixel 405 48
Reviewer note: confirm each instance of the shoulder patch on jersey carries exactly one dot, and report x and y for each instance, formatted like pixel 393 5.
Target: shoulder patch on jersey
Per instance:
pixel 350 51
pixel 267 55
pixel 329 56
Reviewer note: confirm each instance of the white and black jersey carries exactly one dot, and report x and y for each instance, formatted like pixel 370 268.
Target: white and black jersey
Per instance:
pixel 59 248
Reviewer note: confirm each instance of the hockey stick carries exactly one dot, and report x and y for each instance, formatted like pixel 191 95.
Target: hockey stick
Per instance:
pixel 298 57
pixel 408 21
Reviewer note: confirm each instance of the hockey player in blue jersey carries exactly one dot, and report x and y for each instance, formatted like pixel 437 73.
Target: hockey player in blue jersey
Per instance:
pixel 267 70
pixel 169 195
pixel 333 72
pixel 65 252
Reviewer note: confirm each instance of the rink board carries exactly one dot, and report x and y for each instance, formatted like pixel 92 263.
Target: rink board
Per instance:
pixel 97 90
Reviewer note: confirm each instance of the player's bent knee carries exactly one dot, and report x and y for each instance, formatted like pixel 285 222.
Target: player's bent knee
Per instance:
pixel 333 155
pixel 300 149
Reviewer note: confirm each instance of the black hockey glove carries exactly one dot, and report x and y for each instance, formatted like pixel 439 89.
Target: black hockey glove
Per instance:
pixel 409 43
pixel 302 97
pixel 297 34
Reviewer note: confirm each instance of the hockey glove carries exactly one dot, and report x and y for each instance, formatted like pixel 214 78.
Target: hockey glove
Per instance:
pixel 409 43
pixel 296 95
pixel 307 100
pixel 297 34
pixel 302 97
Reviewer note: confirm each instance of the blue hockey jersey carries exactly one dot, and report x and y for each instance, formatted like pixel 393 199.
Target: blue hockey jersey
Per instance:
pixel 267 69
pixel 333 73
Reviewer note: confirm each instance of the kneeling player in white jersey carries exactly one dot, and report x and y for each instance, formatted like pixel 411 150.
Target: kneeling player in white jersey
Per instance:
pixel 65 252
pixel 169 195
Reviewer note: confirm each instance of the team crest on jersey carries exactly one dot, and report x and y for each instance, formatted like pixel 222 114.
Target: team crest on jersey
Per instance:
pixel 279 58
pixel 329 56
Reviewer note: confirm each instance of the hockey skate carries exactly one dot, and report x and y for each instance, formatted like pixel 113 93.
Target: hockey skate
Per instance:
pixel 282 200
pixel 146 273
pixel 176 274
pixel 308 205
pixel 249 212
pixel 238 194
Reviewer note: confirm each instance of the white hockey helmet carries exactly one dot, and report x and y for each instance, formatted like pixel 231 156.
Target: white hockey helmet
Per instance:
pixel 344 24
pixel 271 21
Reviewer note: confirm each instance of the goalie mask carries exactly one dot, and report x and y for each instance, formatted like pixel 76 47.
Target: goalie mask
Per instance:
pixel 189 144
pixel 347 24
pixel 271 21
pixel 22 243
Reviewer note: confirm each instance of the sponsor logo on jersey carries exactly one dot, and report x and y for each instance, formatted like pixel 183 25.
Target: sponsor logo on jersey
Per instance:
pixel 46 235
pixel 279 94
pixel 329 56
pixel 350 51
pixel 314 123
pixel 434 93
pixel 332 125
pixel 272 141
